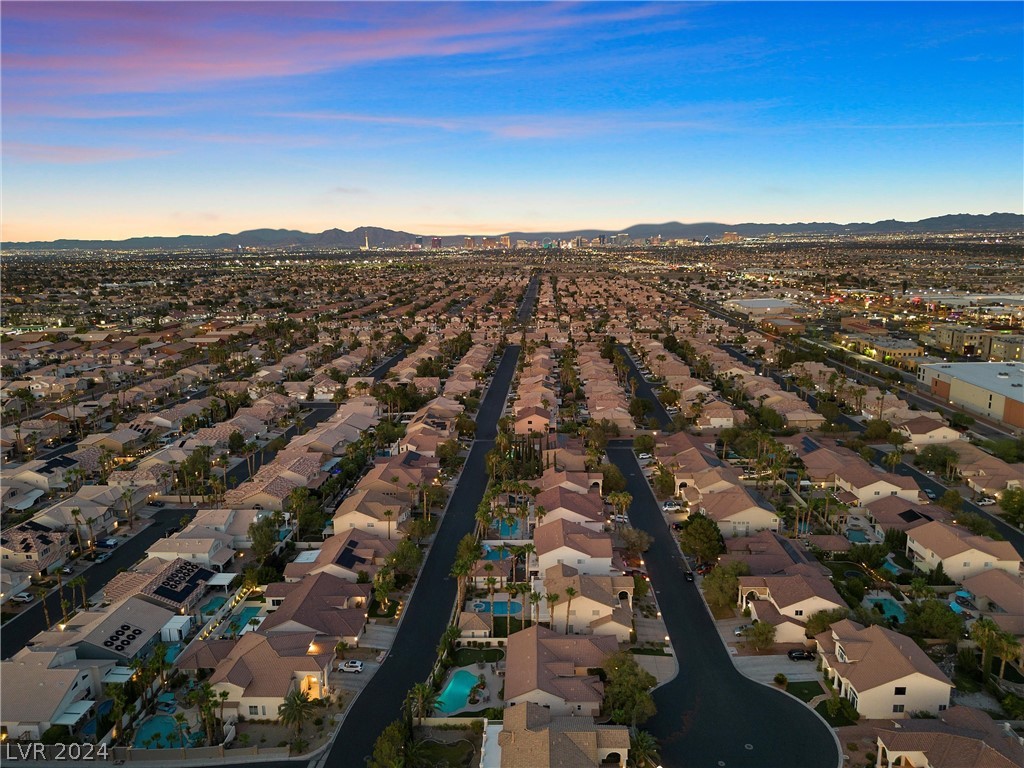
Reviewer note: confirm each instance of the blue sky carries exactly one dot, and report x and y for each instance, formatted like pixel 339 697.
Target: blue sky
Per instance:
pixel 125 119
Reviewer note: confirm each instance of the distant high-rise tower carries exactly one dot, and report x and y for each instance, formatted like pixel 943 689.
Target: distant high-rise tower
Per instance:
pixel 366 247
pixel 435 242
pixel 469 242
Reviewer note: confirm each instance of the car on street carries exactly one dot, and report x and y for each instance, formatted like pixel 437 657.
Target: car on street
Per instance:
pixel 108 543
pixel 738 632
pixel 800 654
pixel 67 569
pixel 352 665
pixel 103 556
pixel 689 575
pixel 985 502
pixel 157 504
pixel 644 456
pixel 930 494
pixel 23 597
pixel 672 506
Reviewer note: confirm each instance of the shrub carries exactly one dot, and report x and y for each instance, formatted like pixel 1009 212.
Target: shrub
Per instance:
pixel 781 680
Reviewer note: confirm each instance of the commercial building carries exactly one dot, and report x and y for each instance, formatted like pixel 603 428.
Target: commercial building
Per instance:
pixel 993 390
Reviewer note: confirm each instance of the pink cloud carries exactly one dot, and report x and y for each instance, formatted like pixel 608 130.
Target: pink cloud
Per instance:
pixel 63 154
pixel 133 47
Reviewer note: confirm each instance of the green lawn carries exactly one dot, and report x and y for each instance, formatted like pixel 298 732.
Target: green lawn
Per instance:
pixel 458 754
pixel 466 656
pixel 805 691
pixel 836 722
pixel 375 612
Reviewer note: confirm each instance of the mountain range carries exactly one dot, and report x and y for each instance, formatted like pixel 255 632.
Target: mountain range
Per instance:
pixel 672 230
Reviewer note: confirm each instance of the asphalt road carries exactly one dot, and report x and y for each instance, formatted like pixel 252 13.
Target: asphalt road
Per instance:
pixel 645 389
pixel 17 632
pixel 426 615
pixel 709 714
pixel 529 299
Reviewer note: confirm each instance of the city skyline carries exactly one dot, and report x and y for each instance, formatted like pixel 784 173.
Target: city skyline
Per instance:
pixel 131 119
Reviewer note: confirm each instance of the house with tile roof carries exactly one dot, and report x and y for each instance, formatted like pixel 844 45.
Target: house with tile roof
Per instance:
pixel 961 553
pixel 561 541
pixel 260 670
pixel 923 431
pixel 344 555
pixel 333 608
pixel 960 737
pixel 787 600
pixel 868 484
pixel 601 605
pixel 882 673
pixel 1000 597
pixel 552 670
pixel 737 513
pixel 533 736
pixel 32 547
pixel 371 512
pixel 586 509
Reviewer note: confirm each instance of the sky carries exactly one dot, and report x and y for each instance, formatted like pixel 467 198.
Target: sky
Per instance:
pixel 123 119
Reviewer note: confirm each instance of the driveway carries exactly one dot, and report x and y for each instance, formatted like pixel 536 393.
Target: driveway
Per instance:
pixel 710 714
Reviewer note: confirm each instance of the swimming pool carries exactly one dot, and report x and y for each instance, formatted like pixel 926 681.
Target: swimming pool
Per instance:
pixel 89 729
pixel 501 607
pixel 213 605
pixel 172 652
pixel 857 537
pixel 495 554
pixel 890 608
pixel 892 568
pixel 507 531
pixel 161 732
pixel 456 694
pixel 241 621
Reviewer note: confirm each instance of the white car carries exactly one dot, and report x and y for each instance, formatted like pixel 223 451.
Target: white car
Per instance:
pixel 985 502
pixel 672 506
pixel 22 597
pixel 352 665
pixel 645 457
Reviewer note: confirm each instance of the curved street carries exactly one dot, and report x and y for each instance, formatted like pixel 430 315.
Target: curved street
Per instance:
pixel 709 714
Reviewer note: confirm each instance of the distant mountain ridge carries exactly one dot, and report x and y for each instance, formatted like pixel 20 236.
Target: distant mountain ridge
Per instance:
pixel 672 230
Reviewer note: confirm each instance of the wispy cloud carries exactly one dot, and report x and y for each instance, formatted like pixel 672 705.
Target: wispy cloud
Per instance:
pixel 64 154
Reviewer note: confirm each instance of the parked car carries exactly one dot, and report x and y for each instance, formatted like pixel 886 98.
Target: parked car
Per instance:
pixel 157 504
pixel 102 557
pixel 800 654
pixel 985 502
pixel 67 569
pixel 23 597
pixel 689 575
pixel 738 632
pixel 930 494
pixel 352 665
pixel 672 506
pixel 645 457
pixel 108 543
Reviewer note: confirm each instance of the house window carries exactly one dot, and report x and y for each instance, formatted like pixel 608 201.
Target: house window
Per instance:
pixel 901 690
pixel 897 707
pixel 254 711
pixel 798 613
pixel 942 707
pixel 264 708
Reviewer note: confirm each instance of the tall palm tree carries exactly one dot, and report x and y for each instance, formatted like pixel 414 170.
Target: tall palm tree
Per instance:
pixel 1009 649
pixel 182 725
pixel 340 649
pixel 528 550
pixel 535 598
pixel 986 633
pixel 79 583
pixel 60 593
pixel 511 590
pixel 41 594
pixel 551 598
pixel 643 749
pixel 128 496
pixel 76 515
pixel 388 514
pixel 423 699
pixel 569 593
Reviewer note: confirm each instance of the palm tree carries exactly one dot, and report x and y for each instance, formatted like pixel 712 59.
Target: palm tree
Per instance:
pixel 423 699
pixel 528 550
pixel 551 598
pixel 127 496
pixel 119 703
pixel 569 593
pixel 182 724
pixel 643 749
pixel 41 594
pixel 79 583
pixel 295 710
pixel 92 539
pixel 512 590
pixel 222 697
pixel 340 649
pixel 987 634
pixel 535 598
pixel 63 602
pixel 1009 650
pixel 388 513
pixel 491 582
pixel 460 570
pixel 76 515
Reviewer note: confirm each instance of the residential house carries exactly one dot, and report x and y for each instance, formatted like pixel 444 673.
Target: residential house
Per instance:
pixel 999 596
pixel 960 737
pixel 586 509
pixel 31 547
pixel 532 736
pixel 333 608
pixel 561 541
pixel 552 670
pixel 345 555
pixel 787 600
pixel 371 512
pixel 961 553
pixel 737 513
pixel 867 484
pixel 600 605
pixel 922 432
pixel 884 674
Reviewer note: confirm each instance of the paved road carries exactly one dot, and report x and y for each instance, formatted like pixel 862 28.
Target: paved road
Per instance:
pixel 413 654
pixel 645 390
pixel 529 299
pixel 30 621
pixel 709 714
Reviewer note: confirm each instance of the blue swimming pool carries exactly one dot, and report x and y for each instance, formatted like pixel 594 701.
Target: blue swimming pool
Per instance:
pixel 956 608
pixel 172 652
pixel 239 622
pixel 501 607
pixel 213 605
pixel 495 554
pixel 857 537
pixel 890 608
pixel 456 694
pixel 892 568
pixel 507 531
pixel 161 732
pixel 89 729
